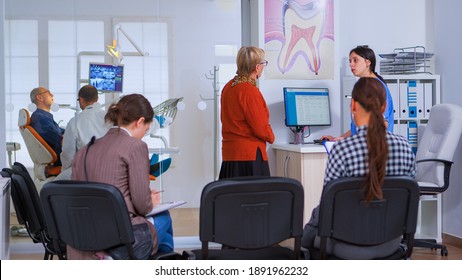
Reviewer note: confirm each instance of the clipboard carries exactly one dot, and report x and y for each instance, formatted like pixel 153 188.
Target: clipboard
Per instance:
pixel 165 206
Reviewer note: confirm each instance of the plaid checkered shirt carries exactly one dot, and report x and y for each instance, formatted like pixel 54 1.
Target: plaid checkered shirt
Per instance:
pixel 348 157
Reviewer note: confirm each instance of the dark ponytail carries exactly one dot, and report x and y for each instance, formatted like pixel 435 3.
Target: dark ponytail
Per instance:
pixel 370 94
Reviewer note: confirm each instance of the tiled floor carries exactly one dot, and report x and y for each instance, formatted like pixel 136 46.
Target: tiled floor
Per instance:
pixel 186 224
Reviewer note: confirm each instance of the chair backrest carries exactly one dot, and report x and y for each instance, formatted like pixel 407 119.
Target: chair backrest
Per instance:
pixel 26 201
pixel 88 216
pixel 345 216
pixel 251 212
pixel 39 150
pixel 15 197
pixel 439 141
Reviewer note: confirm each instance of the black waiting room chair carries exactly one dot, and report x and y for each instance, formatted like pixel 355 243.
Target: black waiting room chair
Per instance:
pixel 29 212
pixel 346 219
pixel 89 216
pixel 249 217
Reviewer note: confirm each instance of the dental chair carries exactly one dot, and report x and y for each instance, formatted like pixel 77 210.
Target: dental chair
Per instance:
pixel 41 153
pixel 165 114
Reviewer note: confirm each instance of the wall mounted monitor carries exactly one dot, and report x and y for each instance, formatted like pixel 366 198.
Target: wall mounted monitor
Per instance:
pixel 106 77
pixel 306 107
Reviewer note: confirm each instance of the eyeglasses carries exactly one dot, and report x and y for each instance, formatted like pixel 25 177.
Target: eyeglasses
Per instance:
pixel 264 62
pixel 47 91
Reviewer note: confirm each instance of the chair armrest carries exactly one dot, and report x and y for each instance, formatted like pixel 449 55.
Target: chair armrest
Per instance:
pixel 447 171
pixel 446 162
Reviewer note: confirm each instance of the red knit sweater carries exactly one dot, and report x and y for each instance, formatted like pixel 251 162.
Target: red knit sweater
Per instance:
pixel 245 122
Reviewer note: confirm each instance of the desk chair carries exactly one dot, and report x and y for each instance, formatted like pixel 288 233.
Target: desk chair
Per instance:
pixel 250 216
pixel 89 216
pixel 40 152
pixel 435 153
pixel 346 220
pixel 28 209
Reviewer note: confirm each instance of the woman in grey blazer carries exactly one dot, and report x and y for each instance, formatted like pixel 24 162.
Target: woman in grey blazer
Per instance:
pixel 121 158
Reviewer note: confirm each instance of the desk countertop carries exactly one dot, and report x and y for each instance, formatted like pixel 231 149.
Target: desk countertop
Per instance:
pixel 300 148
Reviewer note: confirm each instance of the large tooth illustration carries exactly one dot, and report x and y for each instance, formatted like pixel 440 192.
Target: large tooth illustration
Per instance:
pixel 302 22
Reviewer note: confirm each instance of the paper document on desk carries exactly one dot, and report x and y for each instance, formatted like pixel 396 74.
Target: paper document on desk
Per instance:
pixel 165 206
pixel 328 145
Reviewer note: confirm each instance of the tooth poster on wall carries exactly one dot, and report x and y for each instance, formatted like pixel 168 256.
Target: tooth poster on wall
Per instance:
pixel 299 39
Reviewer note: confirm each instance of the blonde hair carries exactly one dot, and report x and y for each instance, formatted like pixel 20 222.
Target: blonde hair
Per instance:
pixel 247 59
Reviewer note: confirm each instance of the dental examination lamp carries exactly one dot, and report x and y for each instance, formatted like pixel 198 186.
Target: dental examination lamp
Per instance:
pixel 115 51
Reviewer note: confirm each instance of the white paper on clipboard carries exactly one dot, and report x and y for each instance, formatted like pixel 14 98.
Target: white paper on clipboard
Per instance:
pixel 165 206
pixel 328 145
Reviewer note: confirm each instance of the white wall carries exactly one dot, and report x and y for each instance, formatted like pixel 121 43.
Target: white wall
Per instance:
pixel 379 24
pixel 448 47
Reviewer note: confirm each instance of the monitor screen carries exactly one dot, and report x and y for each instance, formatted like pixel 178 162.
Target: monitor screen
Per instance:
pixel 106 77
pixel 306 107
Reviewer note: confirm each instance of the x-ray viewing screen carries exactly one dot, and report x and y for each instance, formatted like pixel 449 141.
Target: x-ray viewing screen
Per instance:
pixel 106 77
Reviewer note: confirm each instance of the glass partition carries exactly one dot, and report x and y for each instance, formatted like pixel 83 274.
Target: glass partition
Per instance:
pixel 169 49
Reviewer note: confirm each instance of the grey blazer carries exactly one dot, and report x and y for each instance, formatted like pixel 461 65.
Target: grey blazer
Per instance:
pixel 123 161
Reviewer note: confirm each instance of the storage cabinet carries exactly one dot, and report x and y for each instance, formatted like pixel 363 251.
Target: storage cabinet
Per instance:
pixel 307 164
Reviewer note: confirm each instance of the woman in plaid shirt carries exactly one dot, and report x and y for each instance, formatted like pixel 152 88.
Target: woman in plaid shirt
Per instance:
pixel 372 153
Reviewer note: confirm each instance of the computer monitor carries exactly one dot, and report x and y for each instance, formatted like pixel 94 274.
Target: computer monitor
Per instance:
pixel 306 107
pixel 106 77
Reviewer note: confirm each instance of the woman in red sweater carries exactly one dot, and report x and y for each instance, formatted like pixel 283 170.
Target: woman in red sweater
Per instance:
pixel 245 119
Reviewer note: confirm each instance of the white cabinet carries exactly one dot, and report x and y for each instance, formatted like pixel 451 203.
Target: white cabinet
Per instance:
pixel 305 163
pixel 429 221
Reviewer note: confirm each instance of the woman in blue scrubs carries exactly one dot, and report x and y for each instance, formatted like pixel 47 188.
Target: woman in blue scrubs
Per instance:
pixel 362 65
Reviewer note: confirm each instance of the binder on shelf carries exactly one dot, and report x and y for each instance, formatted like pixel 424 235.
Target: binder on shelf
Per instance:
pixel 420 99
pixel 409 129
pixel 412 133
pixel 411 100
pixel 428 99
pixel 401 128
pixel 393 87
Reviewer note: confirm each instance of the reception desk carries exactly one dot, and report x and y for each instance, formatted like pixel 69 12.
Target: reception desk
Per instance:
pixel 306 163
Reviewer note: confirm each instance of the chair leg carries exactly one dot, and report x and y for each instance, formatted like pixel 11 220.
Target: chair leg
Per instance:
pixel 431 243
